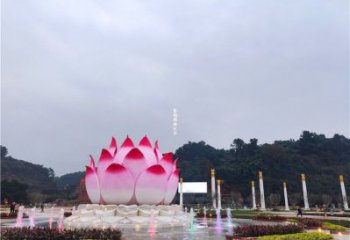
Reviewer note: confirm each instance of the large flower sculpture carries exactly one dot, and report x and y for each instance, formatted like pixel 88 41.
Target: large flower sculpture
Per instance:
pixel 132 175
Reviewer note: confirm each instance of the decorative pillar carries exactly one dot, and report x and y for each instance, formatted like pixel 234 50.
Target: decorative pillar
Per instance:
pixel 343 192
pixel 253 195
pixel 285 196
pixel 213 197
pixel 219 194
pixel 261 188
pixel 306 201
pixel 181 193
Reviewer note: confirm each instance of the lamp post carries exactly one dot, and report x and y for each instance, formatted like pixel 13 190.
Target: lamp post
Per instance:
pixel 253 195
pixel 343 192
pixel 261 188
pixel 181 193
pixel 212 173
pixel 285 196
pixel 306 201
pixel 219 193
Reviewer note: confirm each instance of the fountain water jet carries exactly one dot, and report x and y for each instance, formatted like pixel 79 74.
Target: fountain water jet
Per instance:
pixel 191 219
pixel 218 224
pixel 60 220
pixel 205 217
pixel 32 217
pixel 51 218
pixel 19 221
pixel 152 224
pixel 229 221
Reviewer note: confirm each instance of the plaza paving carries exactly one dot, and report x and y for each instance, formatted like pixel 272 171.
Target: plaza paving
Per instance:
pixel 198 232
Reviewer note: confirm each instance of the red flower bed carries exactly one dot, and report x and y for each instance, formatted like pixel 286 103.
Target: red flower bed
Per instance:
pixel 11 215
pixel 211 214
pixel 261 230
pixel 310 223
pixel 270 217
pixel 54 234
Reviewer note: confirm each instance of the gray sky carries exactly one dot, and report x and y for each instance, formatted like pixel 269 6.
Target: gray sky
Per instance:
pixel 74 73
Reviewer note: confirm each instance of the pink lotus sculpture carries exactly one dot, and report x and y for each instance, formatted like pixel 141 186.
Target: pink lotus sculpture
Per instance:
pixel 132 175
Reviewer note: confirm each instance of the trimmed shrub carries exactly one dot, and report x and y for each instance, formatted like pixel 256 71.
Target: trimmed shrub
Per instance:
pixel 333 227
pixel 299 236
pixel 54 234
pixel 261 230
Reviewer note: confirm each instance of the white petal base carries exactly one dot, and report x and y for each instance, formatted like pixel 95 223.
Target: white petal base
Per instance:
pixel 163 216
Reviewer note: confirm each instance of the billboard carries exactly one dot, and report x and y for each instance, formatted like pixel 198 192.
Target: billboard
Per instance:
pixel 193 187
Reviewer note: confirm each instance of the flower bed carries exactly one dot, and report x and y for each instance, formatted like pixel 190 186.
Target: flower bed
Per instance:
pixel 54 234
pixel 11 215
pixel 270 217
pixel 211 214
pixel 261 230
pixel 310 223
pixel 299 236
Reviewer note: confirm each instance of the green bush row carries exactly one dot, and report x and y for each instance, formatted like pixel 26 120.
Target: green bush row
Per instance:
pixel 299 236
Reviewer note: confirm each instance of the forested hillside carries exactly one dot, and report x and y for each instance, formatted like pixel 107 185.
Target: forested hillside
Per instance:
pixel 321 159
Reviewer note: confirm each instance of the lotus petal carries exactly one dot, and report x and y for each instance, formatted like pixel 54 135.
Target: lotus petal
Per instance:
pixel 175 164
pixel 92 185
pixel 117 185
pixel 105 160
pixel 135 162
pixel 151 185
pixel 171 187
pixel 167 163
pixel 147 150
pixel 124 150
pixel 113 147
pixel 158 153
pixel 92 162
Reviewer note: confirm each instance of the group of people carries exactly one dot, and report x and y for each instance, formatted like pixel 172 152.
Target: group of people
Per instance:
pixel 14 207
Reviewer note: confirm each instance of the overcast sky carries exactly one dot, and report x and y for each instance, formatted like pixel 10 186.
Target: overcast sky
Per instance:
pixel 74 73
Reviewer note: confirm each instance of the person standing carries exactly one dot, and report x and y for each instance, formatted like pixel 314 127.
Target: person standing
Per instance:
pixel 300 213
pixel 42 207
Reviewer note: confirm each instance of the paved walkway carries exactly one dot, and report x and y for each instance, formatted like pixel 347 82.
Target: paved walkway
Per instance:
pixel 214 230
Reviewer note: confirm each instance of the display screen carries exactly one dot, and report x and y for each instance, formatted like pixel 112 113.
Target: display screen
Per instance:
pixel 193 187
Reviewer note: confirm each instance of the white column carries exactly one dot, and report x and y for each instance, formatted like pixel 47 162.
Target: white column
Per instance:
pixel 213 195
pixel 253 195
pixel 285 196
pixel 343 193
pixel 306 201
pixel 262 195
pixel 219 194
pixel 181 193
